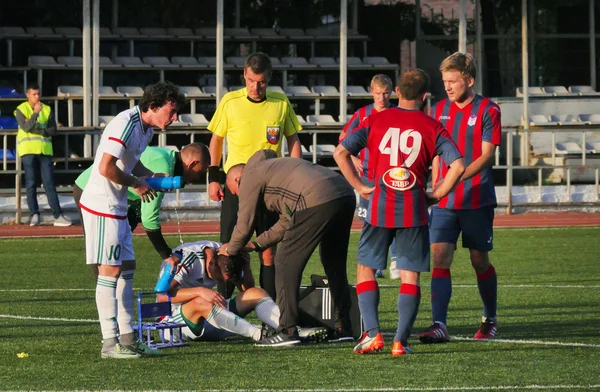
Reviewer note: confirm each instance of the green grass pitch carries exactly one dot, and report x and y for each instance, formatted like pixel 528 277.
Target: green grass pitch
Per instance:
pixel 549 327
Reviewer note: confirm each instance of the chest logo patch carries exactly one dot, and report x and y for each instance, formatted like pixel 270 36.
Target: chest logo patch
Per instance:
pixel 399 179
pixel 472 120
pixel 273 134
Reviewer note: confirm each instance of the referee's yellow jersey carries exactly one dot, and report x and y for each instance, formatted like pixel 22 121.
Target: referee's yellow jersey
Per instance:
pixel 252 126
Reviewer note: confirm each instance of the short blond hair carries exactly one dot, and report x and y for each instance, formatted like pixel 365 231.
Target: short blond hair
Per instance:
pixel 461 62
pixel 383 81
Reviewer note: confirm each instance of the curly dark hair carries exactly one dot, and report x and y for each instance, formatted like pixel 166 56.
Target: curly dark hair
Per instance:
pixel 157 95
pixel 232 266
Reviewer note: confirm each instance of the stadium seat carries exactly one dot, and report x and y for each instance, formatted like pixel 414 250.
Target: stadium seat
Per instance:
pixel 324 62
pixel 299 91
pixel 234 88
pixel 159 62
pixel 193 120
pixel 8 123
pixel 558 91
pixel 276 89
pixel 130 91
pixel 345 119
pixel 161 311
pixel 131 62
pixel 534 91
pixel 186 62
pixel 324 149
pixel 69 91
pixel 592 147
pixel 182 33
pixel 356 91
pixel 13 32
pixel 8 154
pixel 268 34
pixel 70 61
pixel 590 119
pixel 323 33
pixel 236 61
pixel 565 119
pixel 212 90
pixel 106 62
pixel 128 32
pixel 10 92
pixel 105 33
pixel 107 91
pixel 104 120
pixel 69 32
pixel 322 119
pixel 295 34
pixel 192 92
pixel 583 90
pixel 208 33
pixel 378 62
pixel 208 61
pixel 538 120
pixel 326 91
pixel 43 32
pixel 296 62
pixel 353 62
pixel 156 33
pixel 239 34
pixel 303 122
pixel 567 148
pixel 276 62
pixel 43 62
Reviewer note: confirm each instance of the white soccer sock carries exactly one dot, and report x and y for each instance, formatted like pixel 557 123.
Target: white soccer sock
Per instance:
pixel 268 312
pixel 106 302
pixel 224 319
pixel 124 294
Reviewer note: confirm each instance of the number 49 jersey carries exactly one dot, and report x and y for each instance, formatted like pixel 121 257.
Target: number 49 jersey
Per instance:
pixel 401 145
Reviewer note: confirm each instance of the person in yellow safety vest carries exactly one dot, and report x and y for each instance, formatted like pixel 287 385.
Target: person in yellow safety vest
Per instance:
pixel 34 146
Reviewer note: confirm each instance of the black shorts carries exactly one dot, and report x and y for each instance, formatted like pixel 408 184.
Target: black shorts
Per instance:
pixel 263 220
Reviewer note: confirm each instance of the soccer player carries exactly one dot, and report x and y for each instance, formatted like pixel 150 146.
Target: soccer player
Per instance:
pixel 381 89
pixel 401 143
pixel 315 207
pixel 104 210
pixel 474 123
pixel 252 118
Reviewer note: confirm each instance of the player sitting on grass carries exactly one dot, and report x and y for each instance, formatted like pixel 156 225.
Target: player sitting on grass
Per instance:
pixel 208 315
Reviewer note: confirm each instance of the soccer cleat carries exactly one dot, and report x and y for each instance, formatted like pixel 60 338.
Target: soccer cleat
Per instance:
pixel 340 335
pixel 280 339
pixel 62 221
pixel 398 349
pixel 379 274
pixel 436 333
pixel 119 351
pixel 316 334
pixel 369 345
pixel 487 329
pixel 35 220
pixel 144 350
pixel 394 272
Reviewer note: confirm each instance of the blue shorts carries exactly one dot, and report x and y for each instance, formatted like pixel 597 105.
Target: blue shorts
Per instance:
pixel 361 209
pixel 412 247
pixel 476 227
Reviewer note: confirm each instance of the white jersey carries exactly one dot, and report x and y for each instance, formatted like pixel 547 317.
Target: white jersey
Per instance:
pixel 193 264
pixel 124 138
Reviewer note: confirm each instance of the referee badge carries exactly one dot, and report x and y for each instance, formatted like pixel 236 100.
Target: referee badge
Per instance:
pixel 273 134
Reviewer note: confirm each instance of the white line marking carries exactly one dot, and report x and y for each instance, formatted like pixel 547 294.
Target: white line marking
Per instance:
pixel 418 389
pixel 51 290
pixel 12 316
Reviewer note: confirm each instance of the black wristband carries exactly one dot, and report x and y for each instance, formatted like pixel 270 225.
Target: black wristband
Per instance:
pixel 213 173
pixel 257 246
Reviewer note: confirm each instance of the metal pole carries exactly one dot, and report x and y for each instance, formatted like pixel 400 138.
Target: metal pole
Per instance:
pixel 343 58
pixel 18 188
pixel 592 45
pixel 220 75
pixel 531 39
pixel 525 63
pixel 95 61
pixel 479 47
pixel 462 27
pixel 87 142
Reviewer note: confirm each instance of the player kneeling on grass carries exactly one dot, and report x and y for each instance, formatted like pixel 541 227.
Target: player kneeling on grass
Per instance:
pixel 208 315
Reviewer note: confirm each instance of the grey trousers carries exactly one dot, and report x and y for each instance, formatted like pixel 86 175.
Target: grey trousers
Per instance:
pixel 327 225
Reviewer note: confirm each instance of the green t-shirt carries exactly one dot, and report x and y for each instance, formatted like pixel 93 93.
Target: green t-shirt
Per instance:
pixel 157 160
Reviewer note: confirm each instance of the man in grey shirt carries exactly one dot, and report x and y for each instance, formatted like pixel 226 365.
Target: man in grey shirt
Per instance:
pixel 316 207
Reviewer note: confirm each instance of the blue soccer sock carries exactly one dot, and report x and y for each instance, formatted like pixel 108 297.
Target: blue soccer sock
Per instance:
pixel 487 282
pixel 441 292
pixel 368 303
pixel 409 299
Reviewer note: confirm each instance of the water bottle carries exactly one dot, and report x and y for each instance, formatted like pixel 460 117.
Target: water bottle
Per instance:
pixel 166 276
pixel 165 182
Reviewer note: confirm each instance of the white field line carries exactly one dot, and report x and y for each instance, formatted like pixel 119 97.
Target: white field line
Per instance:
pixel 16 317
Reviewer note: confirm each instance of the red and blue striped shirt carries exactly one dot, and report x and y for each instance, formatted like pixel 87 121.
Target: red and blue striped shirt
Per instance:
pixel 401 145
pixel 477 122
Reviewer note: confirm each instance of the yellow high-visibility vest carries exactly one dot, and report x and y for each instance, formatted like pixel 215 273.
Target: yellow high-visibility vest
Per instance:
pixel 32 143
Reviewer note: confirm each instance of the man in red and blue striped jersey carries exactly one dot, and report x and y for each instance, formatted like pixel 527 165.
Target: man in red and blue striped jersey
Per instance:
pixel 401 143
pixel 381 89
pixel 474 123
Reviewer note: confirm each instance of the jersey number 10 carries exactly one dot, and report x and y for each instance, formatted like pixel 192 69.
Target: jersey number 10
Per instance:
pixel 394 141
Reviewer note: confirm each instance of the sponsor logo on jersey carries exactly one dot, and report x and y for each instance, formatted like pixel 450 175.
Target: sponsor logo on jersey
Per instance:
pixel 472 120
pixel 273 134
pixel 399 178
pixel 440 118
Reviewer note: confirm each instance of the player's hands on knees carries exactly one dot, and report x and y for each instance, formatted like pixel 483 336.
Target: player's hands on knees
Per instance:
pixel 175 263
pixel 365 191
pixel 212 297
pixel 144 190
pixel 215 192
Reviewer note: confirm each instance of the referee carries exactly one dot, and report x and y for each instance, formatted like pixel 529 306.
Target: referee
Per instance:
pixel 252 119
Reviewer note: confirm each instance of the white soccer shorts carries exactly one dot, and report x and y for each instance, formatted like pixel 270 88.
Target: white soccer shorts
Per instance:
pixel 107 240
